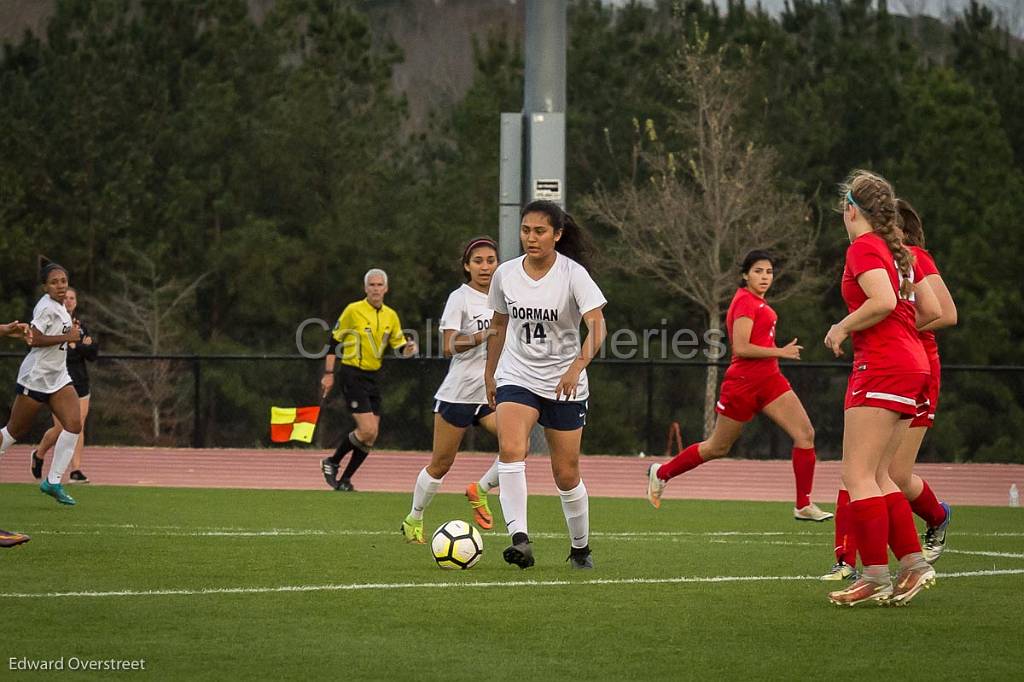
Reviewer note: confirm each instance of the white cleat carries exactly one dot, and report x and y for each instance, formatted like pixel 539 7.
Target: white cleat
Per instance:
pixel 811 513
pixel 841 571
pixel 655 486
pixel 935 539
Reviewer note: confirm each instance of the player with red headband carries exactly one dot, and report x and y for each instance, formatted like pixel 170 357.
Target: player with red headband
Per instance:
pixel 753 384
pixel 887 385
pixel 461 401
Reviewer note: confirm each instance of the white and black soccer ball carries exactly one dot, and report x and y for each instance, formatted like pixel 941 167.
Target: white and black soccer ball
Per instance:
pixel 456 544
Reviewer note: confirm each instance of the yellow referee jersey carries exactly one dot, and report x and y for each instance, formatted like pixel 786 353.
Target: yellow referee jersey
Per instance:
pixel 365 332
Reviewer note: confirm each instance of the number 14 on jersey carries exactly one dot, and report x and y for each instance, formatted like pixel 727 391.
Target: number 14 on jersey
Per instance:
pixel 534 332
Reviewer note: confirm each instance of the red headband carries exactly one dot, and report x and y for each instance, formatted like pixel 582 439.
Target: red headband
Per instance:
pixel 478 242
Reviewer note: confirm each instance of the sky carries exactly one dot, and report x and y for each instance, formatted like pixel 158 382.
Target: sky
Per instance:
pixel 1012 11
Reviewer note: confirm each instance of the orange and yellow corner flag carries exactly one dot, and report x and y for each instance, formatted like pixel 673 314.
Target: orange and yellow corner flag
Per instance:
pixel 293 423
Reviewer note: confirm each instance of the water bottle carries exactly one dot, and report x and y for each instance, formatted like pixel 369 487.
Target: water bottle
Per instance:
pixel 1014 495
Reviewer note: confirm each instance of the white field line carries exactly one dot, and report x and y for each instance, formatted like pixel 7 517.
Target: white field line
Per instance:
pixel 218 531
pixel 1005 555
pixel 716 537
pixel 177 531
pixel 346 587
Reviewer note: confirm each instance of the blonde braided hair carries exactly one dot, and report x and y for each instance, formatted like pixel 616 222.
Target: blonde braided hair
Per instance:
pixel 875 198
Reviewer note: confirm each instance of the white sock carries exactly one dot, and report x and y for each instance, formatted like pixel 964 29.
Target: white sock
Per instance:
pixel 576 507
pixel 63 451
pixel 6 440
pixel 426 487
pixel 512 480
pixel 490 479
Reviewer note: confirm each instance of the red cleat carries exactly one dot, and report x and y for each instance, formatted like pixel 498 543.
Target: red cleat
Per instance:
pixel 910 582
pixel 862 591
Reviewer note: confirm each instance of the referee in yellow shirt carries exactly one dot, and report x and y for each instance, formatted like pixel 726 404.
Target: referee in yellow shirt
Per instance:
pixel 364 331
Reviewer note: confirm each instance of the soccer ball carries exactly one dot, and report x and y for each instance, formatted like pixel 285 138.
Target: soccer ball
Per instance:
pixel 456 544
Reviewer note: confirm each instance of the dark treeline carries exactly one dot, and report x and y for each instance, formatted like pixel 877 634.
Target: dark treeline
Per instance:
pixel 260 167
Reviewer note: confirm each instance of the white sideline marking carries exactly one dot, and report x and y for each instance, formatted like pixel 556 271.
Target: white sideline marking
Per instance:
pixel 227 531
pixel 175 531
pixel 448 585
pixel 1007 555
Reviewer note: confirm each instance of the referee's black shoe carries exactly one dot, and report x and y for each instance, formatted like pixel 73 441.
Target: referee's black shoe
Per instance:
pixel 330 470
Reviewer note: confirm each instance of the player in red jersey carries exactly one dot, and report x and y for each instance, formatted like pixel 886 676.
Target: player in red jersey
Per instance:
pixel 753 383
pixel 922 500
pixel 887 384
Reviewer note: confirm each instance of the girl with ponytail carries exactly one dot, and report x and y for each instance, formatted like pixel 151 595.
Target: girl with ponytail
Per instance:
pixel 922 499
pixel 43 379
pixel 886 388
pixel 536 370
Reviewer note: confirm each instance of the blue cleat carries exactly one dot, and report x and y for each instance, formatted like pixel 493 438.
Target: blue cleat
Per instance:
pixel 56 491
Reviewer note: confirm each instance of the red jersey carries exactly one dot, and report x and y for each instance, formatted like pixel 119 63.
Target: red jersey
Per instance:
pixel 924 265
pixel 892 345
pixel 746 304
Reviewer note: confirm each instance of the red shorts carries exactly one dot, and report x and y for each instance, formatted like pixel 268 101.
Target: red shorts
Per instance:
pixel 927 418
pixel 904 394
pixel 743 397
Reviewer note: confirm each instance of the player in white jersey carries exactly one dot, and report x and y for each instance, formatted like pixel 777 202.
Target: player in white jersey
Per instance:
pixel 461 401
pixel 18 330
pixel 536 369
pixel 43 378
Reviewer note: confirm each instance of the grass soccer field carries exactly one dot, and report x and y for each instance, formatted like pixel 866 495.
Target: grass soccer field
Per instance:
pixel 210 584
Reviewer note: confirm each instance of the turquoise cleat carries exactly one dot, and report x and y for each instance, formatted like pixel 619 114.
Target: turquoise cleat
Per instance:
pixel 56 492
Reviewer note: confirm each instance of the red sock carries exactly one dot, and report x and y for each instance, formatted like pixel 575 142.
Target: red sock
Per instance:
pixel 846 546
pixel 803 471
pixel 928 508
pixel 681 463
pixel 870 521
pixel 902 533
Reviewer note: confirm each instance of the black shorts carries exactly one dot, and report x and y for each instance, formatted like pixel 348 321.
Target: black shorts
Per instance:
pixel 560 415
pixel 37 396
pixel 360 390
pixel 462 415
pixel 81 388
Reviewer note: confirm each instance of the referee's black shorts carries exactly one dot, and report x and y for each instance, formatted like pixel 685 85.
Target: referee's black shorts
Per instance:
pixel 360 390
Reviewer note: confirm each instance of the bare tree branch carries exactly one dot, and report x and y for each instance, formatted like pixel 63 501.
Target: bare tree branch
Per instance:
pixel 686 217
pixel 143 316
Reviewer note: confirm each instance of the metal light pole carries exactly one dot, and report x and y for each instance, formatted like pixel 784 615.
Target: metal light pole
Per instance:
pixel 533 141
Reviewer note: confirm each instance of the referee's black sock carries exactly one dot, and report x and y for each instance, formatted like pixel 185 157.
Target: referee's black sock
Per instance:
pixel 343 449
pixel 354 462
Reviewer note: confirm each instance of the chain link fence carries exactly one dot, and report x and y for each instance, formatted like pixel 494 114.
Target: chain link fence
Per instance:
pixel 224 401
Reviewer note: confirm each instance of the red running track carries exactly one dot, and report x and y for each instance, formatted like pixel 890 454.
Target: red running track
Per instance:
pixel 606 476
